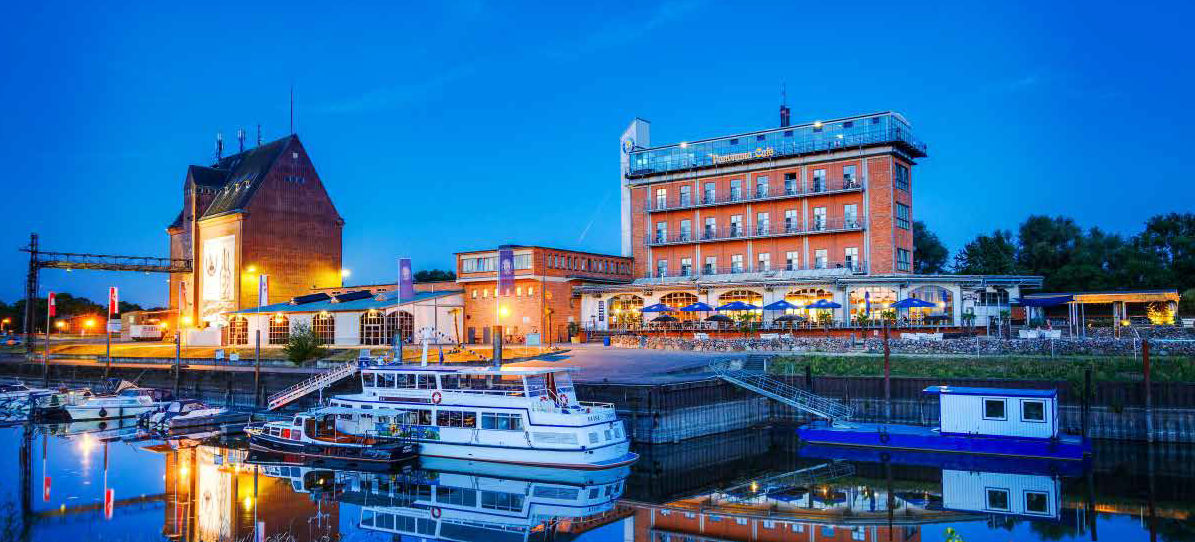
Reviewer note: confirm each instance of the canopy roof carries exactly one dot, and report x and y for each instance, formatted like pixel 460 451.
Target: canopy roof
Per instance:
pixel 993 392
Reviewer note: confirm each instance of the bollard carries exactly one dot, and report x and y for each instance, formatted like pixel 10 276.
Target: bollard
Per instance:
pixel 1149 404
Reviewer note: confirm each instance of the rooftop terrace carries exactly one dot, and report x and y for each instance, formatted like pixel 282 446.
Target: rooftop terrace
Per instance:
pixel 887 128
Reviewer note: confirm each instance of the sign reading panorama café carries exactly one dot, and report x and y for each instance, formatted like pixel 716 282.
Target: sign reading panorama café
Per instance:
pixel 740 156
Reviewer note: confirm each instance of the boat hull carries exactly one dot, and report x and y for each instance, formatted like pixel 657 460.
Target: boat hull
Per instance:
pixel 907 437
pixel 609 457
pixel 107 412
pixel 380 454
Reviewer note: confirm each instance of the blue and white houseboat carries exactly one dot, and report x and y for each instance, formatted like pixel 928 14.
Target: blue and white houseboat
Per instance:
pixel 993 421
pixel 521 416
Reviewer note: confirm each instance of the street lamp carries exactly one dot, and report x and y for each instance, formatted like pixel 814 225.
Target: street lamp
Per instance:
pixel 88 324
pixel 60 325
pixel 4 323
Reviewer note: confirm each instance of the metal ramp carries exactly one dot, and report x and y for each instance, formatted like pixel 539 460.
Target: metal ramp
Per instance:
pixel 751 373
pixel 317 382
pixel 779 483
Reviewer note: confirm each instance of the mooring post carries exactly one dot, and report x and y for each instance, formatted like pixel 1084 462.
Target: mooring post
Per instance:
pixel 497 346
pixel 887 376
pixel 257 368
pixel 1149 403
pixel 177 363
pixel 1086 410
pixel 809 378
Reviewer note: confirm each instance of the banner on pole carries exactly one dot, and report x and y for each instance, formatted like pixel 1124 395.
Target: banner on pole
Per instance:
pixel 263 290
pixel 406 280
pixel 45 490
pixel 506 270
pixel 109 502
pixel 50 304
pixel 113 304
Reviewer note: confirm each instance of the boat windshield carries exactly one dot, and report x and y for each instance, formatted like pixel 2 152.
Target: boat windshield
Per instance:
pixel 536 386
pixel 133 392
pixel 510 385
pixel 564 383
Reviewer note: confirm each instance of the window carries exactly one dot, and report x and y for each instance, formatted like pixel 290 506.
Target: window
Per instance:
pixel 711 265
pixel 761 224
pixel 518 291
pixel 791 262
pixel 686 229
pixel 661 268
pixel 760 137
pixel 790 221
pixel 819 218
pixel 736 189
pixel 456 418
pixel 402 323
pixel 901 177
pixel 850 215
pixel 859 533
pixel 456 495
pixel 993 409
pixel 475 294
pixel 761 186
pixel 686 267
pixel 903 258
pixel 686 195
pixel 819 180
pixel 501 421
pixel 522 261
pixel 710 192
pixel 765 261
pixel 851 257
pixel 902 216
pixel 279 329
pixel 661 198
pixel 530 291
pixel 736 225
pixel 997 298
pixel 848 177
pixel 790 183
pixel 1037 502
pixel 495 500
pixel 711 227
pixel 372 326
pixel 736 263
pixel 238 330
pixel 997 499
pixel 593 438
pixel 661 232
pixel 819 258
pixel 477 265
pixel 324 326
pixel 1033 411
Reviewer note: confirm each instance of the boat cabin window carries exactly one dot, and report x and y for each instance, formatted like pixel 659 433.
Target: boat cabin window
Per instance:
pixel 536 386
pixel 456 418
pixel 997 499
pixel 456 495
pixel 298 422
pixel 502 422
pixel 324 427
pixel 497 500
pixel 415 417
pixel 1033 411
pixel 511 385
pixel 993 409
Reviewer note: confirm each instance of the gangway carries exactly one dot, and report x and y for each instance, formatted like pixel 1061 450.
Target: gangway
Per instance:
pixel 751 373
pixel 317 382
pixel 778 483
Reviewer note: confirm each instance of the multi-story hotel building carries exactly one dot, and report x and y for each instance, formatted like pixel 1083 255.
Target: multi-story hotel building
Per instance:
pixel 801 213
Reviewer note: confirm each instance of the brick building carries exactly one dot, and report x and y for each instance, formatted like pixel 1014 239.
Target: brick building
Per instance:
pixel 260 211
pixel 542 296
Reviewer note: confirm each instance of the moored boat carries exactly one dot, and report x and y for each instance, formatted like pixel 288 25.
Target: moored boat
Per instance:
pixel 190 413
pixel 316 436
pixel 129 401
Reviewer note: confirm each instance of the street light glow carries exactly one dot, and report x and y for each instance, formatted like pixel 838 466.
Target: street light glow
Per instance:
pixel 503 311
pixel 345 273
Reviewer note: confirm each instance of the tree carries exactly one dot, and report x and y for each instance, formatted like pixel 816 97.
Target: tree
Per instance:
pixel 1170 239
pixel 1046 245
pixel 302 345
pixel 435 275
pixel 993 254
pixel 929 254
pixel 1186 303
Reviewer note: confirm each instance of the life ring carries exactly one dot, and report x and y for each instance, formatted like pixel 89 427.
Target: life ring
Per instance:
pixel 436 397
pixel 543 398
pixel 103 413
pixel 436 512
pixel 884 438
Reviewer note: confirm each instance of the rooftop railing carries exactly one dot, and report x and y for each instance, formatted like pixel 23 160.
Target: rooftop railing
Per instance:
pixel 814 186
pixel 853 266
pixel 885 128
pixel 747 231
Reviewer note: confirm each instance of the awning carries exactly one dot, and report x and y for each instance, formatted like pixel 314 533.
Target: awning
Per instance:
pixel 1044 301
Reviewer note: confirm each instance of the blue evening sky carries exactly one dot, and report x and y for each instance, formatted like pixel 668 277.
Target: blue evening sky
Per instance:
pixel 440 127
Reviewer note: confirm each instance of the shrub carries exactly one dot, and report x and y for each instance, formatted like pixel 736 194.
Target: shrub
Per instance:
pixel 1186 303
pixel 303 345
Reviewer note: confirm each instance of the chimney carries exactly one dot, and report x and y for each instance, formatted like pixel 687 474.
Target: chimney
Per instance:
pixel 219 146
pixel 241 139
pixel 784 117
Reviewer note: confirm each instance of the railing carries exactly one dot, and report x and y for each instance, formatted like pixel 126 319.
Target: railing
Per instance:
pixel 815 186
pixel 314 383
pixel 751 373
pixel 765 323
pixel 854 266
pixel 815 226
pixel 782 142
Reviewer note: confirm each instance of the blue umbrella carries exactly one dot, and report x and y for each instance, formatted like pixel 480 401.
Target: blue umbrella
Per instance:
pixel 913 303
pixel 781 305
pixel 697 307
pixel 866 302
pixel 658 307
pixel 736 306
pixel 823 304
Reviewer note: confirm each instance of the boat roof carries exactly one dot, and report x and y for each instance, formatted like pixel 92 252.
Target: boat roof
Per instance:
pixel 999 392
pixel 346 410
pixel 504 371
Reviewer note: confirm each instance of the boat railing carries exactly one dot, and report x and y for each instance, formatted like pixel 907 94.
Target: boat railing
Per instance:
pixel 594 404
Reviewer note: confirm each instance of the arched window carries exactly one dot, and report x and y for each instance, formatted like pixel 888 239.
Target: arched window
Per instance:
pixel 403 322
pixel 879 297
pixel 676 300
pixel 942 299
pixel 279 329
pixel 806 296
pixel 324 327
pixel 746 296
pixel 238 330
pixel 624 309
pixel 372 328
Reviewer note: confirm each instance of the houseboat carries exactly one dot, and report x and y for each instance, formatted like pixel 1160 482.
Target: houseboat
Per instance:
pixel 991 421
pixel 317 436
pixel 526 416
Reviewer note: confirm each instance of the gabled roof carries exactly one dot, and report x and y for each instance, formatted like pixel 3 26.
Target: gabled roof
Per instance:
pixel 206 176
pixel 245 172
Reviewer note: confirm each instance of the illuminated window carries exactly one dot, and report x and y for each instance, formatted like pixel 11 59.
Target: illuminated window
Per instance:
pixel 324 326
pixel 676 300
pixel 279 329
pixel 624 309
pixel 746 296
pixel 519 291
pixel 238 330
pixel 400 321
pixel 530 291
pixel 372 328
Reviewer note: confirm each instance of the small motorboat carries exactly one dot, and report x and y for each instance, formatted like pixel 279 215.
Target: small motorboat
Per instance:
pixel 190 413
pixel 18 396
pixel 315 436
pixel 129 401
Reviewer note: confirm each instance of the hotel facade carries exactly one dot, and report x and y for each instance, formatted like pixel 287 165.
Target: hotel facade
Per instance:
pixel 801 213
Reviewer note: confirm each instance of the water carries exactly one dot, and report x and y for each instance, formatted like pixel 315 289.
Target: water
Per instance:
pixel 744 486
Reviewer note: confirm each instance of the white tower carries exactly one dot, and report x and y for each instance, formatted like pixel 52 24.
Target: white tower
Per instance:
pixel 636 136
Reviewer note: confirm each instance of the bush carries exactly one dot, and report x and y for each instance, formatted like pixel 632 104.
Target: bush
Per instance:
pixel 303 345
pixel 1186 303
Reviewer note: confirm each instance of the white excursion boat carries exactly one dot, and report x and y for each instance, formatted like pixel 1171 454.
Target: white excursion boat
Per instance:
pixel 524 416
pixel 128 401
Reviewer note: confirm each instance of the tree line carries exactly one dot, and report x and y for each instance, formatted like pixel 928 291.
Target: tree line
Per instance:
pixel 1071 259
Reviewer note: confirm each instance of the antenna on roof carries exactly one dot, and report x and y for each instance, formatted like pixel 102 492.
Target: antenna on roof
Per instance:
pixel 785 116
pixel 219 146
pixel 241 139
pixel 258 135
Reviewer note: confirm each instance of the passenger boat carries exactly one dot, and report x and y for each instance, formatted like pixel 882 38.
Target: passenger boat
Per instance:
pixel 190 413
pixel 129 401
pixel 526 416
pixel 317 436
pixel 990 421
